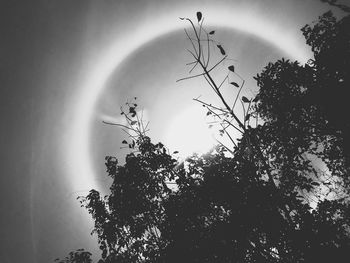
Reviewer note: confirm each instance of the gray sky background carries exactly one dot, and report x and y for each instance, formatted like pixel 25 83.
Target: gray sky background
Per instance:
pixel 47 50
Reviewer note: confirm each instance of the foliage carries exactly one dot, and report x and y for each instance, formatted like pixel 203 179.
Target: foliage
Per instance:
pixel 278 194
pixel 78 256
pixel 304 107
pixel 335 3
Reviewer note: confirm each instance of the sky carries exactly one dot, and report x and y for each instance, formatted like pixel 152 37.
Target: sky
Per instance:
pixel 65 66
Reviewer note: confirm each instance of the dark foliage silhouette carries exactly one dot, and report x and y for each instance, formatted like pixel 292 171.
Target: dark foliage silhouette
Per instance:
pixel 280 193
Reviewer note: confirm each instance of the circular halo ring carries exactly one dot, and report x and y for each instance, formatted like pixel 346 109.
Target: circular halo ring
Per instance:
pixel 79 158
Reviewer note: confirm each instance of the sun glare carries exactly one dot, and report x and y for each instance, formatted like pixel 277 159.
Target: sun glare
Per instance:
pixel 188 132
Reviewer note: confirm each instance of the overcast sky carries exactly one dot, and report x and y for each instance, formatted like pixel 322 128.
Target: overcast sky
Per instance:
pixel 58 82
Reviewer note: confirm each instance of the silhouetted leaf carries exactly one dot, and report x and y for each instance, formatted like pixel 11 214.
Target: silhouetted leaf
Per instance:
pixel 175 152
pixel 247 117
pixel 231 68
pixel 245 99
pixel 199 16
pixel 124 142
pixel 234 84
pixel 212 32
pixel 133 122
pixel 222 51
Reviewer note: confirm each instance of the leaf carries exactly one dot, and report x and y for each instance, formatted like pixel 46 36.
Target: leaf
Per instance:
pixel 182 18
pixel 245 99
pixel 199 16
pixel 256 98
pixel 232 68
pixel 175 152
pixel 221 50
pixel 315 183
pixel 133 122
pixel 208 113
pixel 234 84
pixel 212 32
pixel 124 142
pixel 247 117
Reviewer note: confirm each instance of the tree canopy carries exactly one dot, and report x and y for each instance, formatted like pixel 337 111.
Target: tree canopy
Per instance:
pixel 279 194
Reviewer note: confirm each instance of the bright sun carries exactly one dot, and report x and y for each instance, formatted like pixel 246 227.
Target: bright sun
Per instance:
pixel 188 132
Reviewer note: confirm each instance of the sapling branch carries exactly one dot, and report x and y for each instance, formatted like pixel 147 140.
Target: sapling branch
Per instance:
pixel 241 124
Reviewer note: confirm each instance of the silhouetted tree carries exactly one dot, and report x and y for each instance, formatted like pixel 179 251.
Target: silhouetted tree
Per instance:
pixel 336 3
pixel 279 193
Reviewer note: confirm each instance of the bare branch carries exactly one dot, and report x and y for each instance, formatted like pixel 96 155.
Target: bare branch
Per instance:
pixel 194 47
pixel 229 136
pixel 120 125
pixel 221 60
pixel 208 59
pixel 209 105
pixel 223 81
pixel 243 110
pixel 191 77
pixel 239 92
pixel 223 145
pixel 211 85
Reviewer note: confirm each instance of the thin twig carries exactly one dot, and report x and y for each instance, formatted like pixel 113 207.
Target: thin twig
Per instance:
pixel 194 48
pixel 239 91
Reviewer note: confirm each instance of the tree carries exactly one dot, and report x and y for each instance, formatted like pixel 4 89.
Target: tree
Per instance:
pixel 280 193
pixel 335 3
